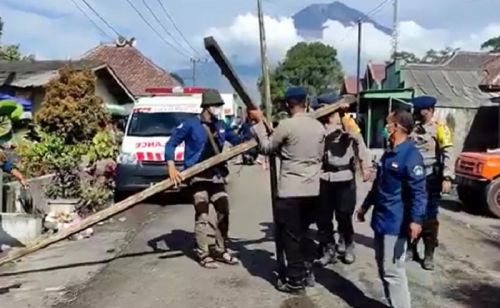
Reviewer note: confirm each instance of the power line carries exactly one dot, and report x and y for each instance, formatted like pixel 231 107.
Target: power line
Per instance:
pixel 163 26
pixel 155 31
pixel 91 20
pixel 101 18
pixel 177 28
pixel 367 15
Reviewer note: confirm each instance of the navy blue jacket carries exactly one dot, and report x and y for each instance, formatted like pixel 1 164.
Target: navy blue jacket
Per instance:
pixel 398 192
pixel 194 136
pixel 246 131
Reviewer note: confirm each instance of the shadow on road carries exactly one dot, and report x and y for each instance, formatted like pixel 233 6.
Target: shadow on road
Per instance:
pixel 345 289
pixel 477 294
pixel 363 240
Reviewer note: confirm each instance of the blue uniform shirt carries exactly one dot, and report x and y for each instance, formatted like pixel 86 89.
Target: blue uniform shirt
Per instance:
pixel 194 136
pixel 8 166
pixel 398 192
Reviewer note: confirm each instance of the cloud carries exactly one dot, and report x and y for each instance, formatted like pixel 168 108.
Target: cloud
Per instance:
pixel 241 38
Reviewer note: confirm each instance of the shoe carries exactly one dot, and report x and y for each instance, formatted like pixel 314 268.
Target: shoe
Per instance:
pixel 328 256
pixel 341 246
pixel 290 288
pixel 412 253
pixel 428 263
pixel 349 256
pixel 310 281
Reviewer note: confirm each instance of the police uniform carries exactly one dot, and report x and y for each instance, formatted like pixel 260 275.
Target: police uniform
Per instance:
pixel 299 143
pixel 434 141
pixel 343 145
pixel 204 140
pixel 399 198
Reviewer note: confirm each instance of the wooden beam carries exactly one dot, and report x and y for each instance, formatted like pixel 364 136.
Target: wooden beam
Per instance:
pixel 153 190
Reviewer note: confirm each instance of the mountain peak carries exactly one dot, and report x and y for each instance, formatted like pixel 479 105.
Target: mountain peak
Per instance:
pixel 310 20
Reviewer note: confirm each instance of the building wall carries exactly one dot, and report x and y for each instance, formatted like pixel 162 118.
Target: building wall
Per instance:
pixel 103 92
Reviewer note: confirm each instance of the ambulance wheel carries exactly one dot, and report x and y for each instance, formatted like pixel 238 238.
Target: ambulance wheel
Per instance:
pixel 493 197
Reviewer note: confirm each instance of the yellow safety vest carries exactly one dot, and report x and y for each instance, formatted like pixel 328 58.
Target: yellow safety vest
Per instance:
pixel 444 136
pixel 350 124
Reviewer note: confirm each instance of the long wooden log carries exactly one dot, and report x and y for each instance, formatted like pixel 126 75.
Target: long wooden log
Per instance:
pixel 153 190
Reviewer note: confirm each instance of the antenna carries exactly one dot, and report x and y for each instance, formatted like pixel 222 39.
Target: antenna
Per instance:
pixel 395 32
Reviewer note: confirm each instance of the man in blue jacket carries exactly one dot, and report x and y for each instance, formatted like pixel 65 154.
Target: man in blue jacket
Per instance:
pixel 204 137
pixel 400 201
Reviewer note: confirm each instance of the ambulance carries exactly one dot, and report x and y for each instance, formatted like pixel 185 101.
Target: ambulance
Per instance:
pixel 141 162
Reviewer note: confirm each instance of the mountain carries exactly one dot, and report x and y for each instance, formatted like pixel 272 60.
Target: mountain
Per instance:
pixel 310 20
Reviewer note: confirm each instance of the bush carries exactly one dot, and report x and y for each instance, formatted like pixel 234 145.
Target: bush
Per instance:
pixel 71 109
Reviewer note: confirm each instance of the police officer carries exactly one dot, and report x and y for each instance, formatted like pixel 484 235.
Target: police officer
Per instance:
pixel 399 199
pixel 204 137
pixel 343 146
pixel 434 141
pixel 299 142
pixel 7 165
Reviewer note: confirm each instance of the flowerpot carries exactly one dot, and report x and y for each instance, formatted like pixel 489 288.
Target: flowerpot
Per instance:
pixel 66 206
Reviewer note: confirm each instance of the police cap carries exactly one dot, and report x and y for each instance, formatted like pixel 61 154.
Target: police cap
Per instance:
pixel 295 93
pixel 423 102
pixel 211 98
pixel 324 100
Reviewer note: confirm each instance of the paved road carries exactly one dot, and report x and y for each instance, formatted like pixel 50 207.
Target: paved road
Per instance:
pixel 467 275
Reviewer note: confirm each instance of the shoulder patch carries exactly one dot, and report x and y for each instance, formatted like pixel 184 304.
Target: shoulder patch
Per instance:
pixel 418 170
pixel 180 125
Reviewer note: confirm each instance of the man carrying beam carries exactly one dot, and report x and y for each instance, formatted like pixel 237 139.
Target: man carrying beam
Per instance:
pixel 204 138
pixel 299 141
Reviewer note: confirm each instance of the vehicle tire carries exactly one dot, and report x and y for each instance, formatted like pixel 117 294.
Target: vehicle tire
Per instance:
pixel 470 201
pixel 493 197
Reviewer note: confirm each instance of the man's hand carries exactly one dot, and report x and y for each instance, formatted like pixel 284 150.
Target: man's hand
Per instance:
pixel 360 215
pixel 256 115
pixel 446 187
pixel 174 174
pixel 415 230
pixel 367 175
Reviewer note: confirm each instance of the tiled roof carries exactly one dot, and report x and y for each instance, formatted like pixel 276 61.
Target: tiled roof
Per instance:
pixel 349 86
pixel 135 70
pixel 377 71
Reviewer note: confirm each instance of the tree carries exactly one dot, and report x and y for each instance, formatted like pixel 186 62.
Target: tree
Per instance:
pixel 432 56
pixel 312 65
pixel 71 109
pixel 493 44
pixel 11 52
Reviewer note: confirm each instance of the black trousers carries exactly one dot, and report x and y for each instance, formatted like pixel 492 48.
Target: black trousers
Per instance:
pixel 294 216
pixel 337 198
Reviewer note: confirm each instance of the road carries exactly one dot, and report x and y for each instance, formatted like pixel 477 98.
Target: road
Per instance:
pixel 467 274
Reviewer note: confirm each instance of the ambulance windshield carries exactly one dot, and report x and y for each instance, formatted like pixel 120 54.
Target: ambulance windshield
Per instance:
pixel 156 124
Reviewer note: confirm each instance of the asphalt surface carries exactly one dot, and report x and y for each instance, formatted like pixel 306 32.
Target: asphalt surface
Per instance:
pixel 467 267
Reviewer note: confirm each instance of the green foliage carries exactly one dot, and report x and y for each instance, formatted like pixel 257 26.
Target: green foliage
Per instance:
pixel 492 45
pixel 71 109
pixel 432 56
pixel 312 65
pixel 104 146
pixel 11 52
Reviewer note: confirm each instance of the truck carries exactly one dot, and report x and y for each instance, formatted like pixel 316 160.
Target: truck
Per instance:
pixel 141 161
pixel 478 180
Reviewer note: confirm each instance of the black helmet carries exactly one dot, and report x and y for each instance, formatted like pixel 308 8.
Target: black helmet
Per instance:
pixel 211 98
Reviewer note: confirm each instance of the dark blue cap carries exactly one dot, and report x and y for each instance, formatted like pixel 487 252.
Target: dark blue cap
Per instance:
pixel 323 100
pixel 423 102
pixel 297 93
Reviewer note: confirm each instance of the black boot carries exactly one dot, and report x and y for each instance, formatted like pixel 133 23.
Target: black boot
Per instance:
pixel 310 280
pixel 349 256
pixel 291 286
pixel 428 263
pixel 327 256
pixel 412 252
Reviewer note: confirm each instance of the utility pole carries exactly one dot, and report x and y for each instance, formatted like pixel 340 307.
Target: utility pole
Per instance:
pixel 395 28
pixel 358 74
pixel 195 61
pixel 272 158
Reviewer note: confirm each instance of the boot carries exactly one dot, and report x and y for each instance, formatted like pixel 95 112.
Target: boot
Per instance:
pixel 349 256
pixel 341 248
pixel 428 263
pixel 291 287
pixel 310 281
pixel 328 256
pixel 412 252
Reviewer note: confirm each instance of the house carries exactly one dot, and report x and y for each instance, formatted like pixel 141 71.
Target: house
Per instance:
pixel 136 71
pixel 28 80
pixel 462 104
pixel 374 76
pixel 349 86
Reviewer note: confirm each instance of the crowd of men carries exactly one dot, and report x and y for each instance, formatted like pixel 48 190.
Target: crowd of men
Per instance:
pixel 319 165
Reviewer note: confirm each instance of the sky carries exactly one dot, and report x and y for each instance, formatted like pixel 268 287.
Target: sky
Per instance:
pixel 57 29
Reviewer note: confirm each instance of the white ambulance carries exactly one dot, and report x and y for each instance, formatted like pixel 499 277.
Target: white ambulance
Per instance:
pixel 141 162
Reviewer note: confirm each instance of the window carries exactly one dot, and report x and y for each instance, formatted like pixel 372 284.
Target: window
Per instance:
pixel 149 124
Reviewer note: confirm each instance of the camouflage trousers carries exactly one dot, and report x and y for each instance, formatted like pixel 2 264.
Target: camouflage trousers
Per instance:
pixel 210 235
